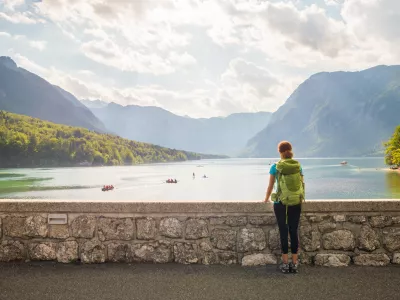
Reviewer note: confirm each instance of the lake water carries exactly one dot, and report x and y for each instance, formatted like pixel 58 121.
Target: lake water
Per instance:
pixel 228 180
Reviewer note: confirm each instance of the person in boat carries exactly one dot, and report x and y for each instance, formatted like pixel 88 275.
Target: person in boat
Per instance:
pixel 175 181
pixel 194 175
pixel 287 212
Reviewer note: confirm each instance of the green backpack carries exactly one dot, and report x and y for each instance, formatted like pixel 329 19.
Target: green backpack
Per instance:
pixel 290 184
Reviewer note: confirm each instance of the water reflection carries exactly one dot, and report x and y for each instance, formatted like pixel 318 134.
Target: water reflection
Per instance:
pixel 393 183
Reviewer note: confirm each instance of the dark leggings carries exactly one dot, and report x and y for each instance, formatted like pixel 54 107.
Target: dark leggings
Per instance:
pixel 293 218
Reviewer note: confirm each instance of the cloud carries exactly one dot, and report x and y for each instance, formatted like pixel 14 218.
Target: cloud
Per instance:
pixel 309 27
pixel 40 45
pixel 109 53
pixel 373 19
pixel 16 18
pixel 4 34
pixel 248 87
pixel 334 2
pixel 253 52
pixel 26 63
pixel 13 4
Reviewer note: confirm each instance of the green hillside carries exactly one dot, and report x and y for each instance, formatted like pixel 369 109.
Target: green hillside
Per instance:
pixel 30 142
pixel 392 151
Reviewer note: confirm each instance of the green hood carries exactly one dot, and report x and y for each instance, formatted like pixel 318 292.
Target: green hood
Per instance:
pixel 288 166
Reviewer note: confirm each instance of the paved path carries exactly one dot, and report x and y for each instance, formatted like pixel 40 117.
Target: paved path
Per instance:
pixel 173 281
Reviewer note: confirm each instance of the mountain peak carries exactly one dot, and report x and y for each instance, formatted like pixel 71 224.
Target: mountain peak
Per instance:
pixel 8 62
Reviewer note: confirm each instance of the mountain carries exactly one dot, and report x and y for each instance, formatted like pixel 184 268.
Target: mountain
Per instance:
pixel 24 143
pixel 335 114
pixel 25 93
pixel 94 103
pixel 158 126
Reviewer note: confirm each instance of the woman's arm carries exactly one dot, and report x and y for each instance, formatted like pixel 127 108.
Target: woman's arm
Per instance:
pixel 270 187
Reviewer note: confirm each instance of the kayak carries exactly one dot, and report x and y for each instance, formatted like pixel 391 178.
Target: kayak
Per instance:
pixel 107 189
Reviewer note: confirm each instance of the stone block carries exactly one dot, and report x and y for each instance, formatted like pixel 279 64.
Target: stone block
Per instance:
pixel 369 239
pixel 209 258
pixel 227 258
pixel 230 221
pixel 119 252
pixel 42 251
pixel 274 241
pixel 326 227
pixel 59 231
pixel 92 252
pixel 83 227
pixel 11 251
pixel 186 253
pixel 1 227
pixel 115 229
pixel 154 252
pixel 146 228
pixel 391 239
pixel 380 221
pixel 25 227
pixel 375 260
pixel 171 227
pixel 67 252
pixel 318 218
pixel 332 260
pixel 14 226
pixel 396 220
pixel 339 240
pixel 196 229
pixel 310 239
pixel 262 220
pixel 357 219
pixel 251 239
pixel 307 258
pixel 206 246
pixel 339 218
pixel 223 239
pixel 259 259
pixel 36 226
pixel 396 258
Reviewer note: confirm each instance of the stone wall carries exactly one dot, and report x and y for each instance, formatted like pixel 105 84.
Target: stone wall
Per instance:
pixel 332 233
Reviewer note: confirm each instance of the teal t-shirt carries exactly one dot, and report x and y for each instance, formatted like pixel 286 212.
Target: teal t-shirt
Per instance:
pixel 273 172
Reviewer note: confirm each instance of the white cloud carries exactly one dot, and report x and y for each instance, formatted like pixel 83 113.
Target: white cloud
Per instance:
pixel 334 2
pixel 248 87
pixel 4 34
pixel 111 54
pixel 285 40
pixel 26 63
pixel 17 18
pixel 40 45
pixel 13 4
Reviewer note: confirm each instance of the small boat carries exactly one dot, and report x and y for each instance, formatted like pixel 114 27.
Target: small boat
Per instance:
pixel 107 188
pixel 171 181
pixel 343 163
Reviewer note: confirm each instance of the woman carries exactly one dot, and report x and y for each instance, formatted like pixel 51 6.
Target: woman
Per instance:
pixel 288 216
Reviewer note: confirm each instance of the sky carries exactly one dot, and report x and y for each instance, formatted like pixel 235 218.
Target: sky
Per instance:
pixel 200 58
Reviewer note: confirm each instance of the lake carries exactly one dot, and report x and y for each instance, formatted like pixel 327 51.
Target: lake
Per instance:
pixel 228 180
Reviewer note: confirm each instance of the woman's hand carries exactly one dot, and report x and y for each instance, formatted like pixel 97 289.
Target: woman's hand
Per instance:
pixel 267 200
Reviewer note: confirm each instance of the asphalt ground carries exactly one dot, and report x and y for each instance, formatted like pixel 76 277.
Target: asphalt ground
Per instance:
pixel 190 282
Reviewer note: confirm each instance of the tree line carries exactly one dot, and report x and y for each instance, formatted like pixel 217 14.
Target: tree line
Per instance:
pixel 31 142
pixel 392 149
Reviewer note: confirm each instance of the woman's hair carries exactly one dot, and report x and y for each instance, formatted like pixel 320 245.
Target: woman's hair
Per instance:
pixel 285 149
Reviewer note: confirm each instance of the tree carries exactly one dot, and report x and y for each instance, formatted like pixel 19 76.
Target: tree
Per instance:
pixel 392 151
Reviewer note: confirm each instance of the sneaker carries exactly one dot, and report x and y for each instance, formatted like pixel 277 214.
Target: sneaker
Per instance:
pixel 284 268
pixel 294 268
